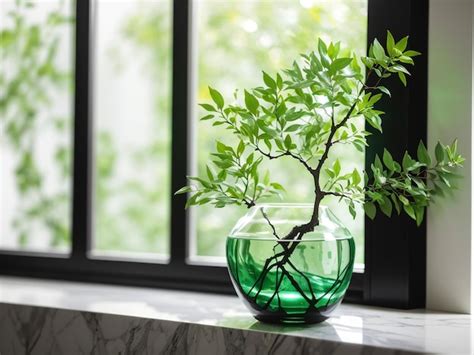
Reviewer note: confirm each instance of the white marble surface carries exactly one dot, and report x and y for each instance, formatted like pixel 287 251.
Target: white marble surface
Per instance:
pixel 362 329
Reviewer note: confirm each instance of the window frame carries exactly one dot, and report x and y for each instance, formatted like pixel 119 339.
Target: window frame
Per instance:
pixel 386 239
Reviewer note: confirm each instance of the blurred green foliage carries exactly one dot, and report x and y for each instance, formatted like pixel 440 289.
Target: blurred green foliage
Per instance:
pixel 234 41
pixel 31 79
pixel 132 206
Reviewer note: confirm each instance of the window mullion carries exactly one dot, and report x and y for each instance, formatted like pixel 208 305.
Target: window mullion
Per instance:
pixel 180 125
pixel 82 171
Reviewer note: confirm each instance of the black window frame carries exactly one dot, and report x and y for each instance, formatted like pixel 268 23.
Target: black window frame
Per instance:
pixel 395 249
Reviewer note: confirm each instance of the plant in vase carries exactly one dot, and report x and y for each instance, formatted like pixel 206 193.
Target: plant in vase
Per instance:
pixel 293 263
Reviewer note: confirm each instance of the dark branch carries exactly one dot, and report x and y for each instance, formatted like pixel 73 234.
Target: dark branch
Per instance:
pixel 287 153
pixel 269 223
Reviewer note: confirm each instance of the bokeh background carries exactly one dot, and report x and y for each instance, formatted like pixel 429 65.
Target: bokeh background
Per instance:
pixel 233 41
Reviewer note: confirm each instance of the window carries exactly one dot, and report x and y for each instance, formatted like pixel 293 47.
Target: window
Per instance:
pixel 131 114
pixel 140 68
pixel 36 47
pixel 266 35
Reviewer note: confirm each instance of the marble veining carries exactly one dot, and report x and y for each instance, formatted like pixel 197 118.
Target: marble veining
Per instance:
pixel 52 317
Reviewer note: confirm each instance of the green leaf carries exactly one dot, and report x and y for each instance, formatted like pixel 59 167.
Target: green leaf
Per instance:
pixel 374 99
pixel 322 48
pixel 222 175
pixel 403 200
pixel 288 142
pixel 208 107
pixel 410 211
pixel 411 53
pixel 370 210
pixel 216 97
pixel 403 78
pixel 251 102
pixel 267 79
pixel 281 109
pixel 419 213
pixel 454 146
pixel 221 147
pixel 379 52
pixel 388 160
pixel 333 49
pixel 368 62
pixel 384 90
pixel 390 43
pixel 204 200
pixel 277 186
pixel 355 177
pixel 400 68
pixel 336 167
pixel 193 199
pixel 292 128
pixel 207 117
pixel 395 202
pixel 240 148
pixel 279 81
pixel 250 159
pixel 439 152
pixel 330 173
pixel 184 190
pixel 268 144
pixel 352 210
pixel 397 167
pixel 401 45
pixel 323 55
pixel 407 162
pixel 407 60
pixel 422 154
pixel 209 174
pixel 386 206
pixel 340 63
pixel 378 163
pixel 375 121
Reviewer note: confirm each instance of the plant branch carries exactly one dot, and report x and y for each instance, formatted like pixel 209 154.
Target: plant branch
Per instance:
pixel 269 223
pixel 286 153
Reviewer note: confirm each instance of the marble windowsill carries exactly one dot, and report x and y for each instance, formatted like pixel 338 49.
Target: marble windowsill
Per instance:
pixel 65 317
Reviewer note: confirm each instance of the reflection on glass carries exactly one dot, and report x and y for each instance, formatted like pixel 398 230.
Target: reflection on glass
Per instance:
pixel 36 94
pixel 132 54
pixel 235 41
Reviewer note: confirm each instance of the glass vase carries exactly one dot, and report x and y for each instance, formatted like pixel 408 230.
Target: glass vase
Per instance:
pixel 285 274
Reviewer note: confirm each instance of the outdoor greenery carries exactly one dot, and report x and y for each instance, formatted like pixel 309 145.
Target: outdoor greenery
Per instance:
pixel 302 113
pixel 133 171
pixel 129 212
pixel 32 80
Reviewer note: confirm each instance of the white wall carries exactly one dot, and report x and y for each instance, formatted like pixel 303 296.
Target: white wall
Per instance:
pixel 450 247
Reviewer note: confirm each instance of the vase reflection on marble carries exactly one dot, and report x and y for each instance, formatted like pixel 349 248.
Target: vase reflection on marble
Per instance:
pixel 283 278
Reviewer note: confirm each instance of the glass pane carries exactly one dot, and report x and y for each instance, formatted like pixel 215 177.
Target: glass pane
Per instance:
pixel 132 85
pixel 236 40
pixel 36 96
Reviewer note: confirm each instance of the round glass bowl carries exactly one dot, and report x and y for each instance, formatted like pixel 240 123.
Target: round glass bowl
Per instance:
pixel 288 277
